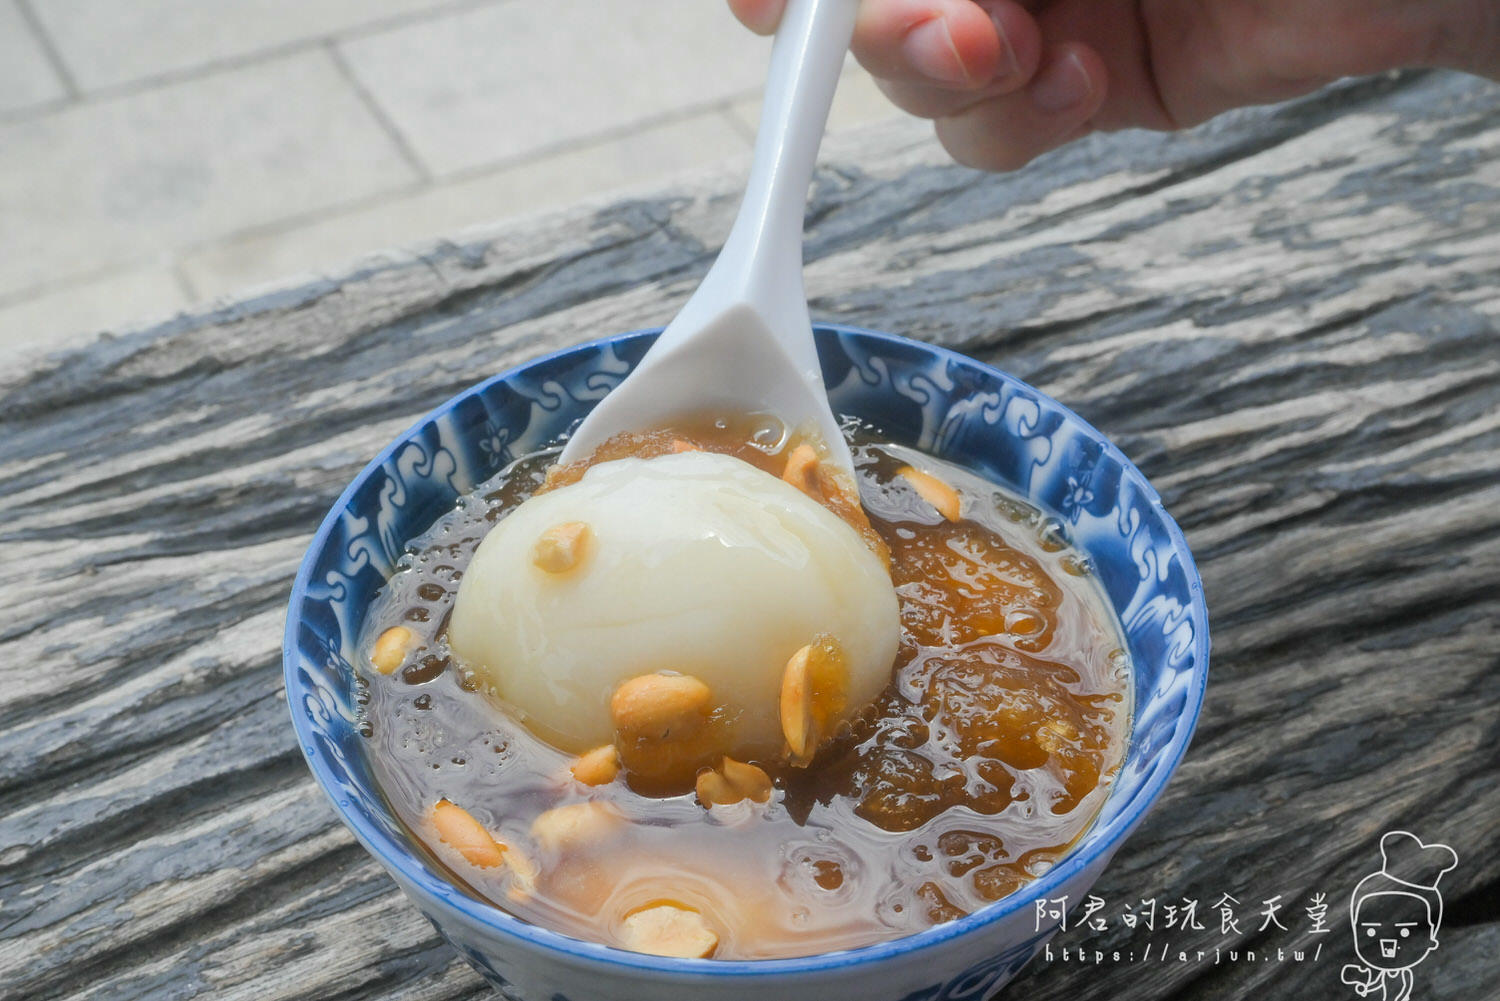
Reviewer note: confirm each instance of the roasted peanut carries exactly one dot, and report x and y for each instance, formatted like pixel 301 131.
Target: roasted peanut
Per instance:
pixel 796 706
pixel 597 767
pixel 732 782
pixel 713 789
pixel 577 825
pixel 802 469
pixel 390 648
pixel 458 829
pixel 932 490
pixel 814 688
pixel 562 547
pixel 668 767
pixel 668 929
pixel 659 706
pixel 750 780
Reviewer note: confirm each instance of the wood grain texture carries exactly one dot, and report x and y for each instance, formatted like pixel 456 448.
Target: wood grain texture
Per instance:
pixel 1288 319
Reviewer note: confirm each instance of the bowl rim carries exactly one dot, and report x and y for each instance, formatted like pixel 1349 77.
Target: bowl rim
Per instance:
pixel 1098 842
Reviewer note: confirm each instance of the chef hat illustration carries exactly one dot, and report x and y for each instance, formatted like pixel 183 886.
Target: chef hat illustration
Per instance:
pixel 1408 866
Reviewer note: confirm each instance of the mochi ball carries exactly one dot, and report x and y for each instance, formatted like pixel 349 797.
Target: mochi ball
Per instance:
pixel 694 563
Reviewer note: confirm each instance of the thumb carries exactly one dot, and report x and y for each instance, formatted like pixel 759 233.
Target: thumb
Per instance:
pixel 760 16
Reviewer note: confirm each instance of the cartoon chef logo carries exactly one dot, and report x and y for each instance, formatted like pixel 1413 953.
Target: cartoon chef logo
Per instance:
pixel 1395 914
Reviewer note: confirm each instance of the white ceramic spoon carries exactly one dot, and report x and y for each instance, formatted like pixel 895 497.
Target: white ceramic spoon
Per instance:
pixel 743 342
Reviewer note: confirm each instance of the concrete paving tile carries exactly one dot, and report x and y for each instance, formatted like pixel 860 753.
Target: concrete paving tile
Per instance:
pixel 75 314
pixel 26 77
pixel 120 180
pixel 104 43
pixel 502 82
pixel 329 246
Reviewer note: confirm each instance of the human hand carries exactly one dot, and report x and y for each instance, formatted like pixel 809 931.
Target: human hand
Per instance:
pixel 1355 976
pixel 1007 80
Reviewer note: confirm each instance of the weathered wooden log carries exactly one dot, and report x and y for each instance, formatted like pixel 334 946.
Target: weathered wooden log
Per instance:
pixel 1288 319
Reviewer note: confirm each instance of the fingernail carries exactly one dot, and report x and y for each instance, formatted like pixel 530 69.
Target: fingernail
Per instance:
pixel 1009 65
pixel 929 48
pixel 1062 85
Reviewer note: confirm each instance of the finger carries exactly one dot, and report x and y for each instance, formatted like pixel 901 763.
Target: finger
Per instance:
pixel 1007 132
pixel 1019 38
pixel 948 43
pixel 986 45
pixel 1021 51
pixel 760 16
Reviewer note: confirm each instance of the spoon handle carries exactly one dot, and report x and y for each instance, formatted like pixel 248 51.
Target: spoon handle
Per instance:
pixel 743 342
pixel 761 262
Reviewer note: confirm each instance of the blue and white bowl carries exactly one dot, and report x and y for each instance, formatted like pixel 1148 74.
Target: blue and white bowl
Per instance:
pixel 935 400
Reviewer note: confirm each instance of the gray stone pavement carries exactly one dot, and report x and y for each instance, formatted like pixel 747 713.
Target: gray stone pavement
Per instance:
pixel 155 154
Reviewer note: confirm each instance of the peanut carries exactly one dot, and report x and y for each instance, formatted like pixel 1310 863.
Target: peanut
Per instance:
pixel 732 782
pixel 575 825
pixel 390 648
pixel 802 469
pixel 668 767
pixel 713 789
pixel 668 929
pixel 457 828
pixel 657 706
pixel 562 547
pixel 679 445
pixel 814 691
pixel 750 780
pixel 932 490
pixel 796 706
pixel 597 767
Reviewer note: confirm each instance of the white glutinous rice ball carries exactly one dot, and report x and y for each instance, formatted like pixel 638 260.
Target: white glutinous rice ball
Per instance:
pixel 697 563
